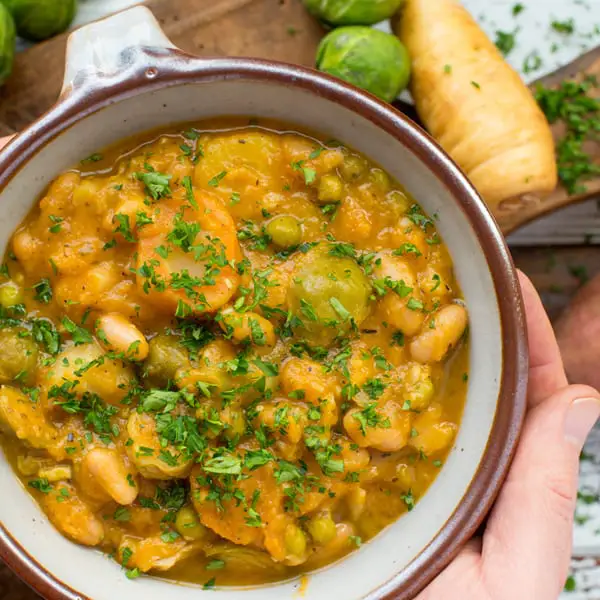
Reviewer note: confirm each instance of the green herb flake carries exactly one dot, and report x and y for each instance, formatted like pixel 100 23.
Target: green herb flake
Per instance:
pixel 156 184
pixel 57 223
pixel 41 485
pixel 79 335
pixel 124 227
pixel 573 104
pixel 570 584
pixel 186 182
pixel 96 157
pixel 210 584
pixel 214 182
pixel 565 27
pixel 43 291
pixel 505 41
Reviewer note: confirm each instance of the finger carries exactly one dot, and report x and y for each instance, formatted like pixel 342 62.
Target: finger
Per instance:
pixel 546 371
pixel 528 537
pixel 460 578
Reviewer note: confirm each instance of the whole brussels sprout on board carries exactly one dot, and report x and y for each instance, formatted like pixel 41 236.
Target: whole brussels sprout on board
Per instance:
pixel 7 43
pixel 370 59
pixel 38 20
pixel 352 12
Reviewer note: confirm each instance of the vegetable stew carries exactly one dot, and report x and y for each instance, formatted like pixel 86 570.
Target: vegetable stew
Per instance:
pixel 231 354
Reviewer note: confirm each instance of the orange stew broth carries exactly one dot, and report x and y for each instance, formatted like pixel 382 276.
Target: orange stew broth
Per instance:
pixel 231 352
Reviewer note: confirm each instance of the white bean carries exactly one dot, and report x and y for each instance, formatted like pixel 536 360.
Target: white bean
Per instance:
pixel 119 334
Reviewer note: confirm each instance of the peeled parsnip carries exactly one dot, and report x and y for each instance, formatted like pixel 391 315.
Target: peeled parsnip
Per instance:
pixel 474 104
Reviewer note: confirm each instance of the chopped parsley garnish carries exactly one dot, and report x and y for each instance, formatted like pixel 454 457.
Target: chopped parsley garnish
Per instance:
pixel 156 184
pixel 57 224
pixel 124 227
pixel 505 41
pixel 565 27
pixel 43 291
pixel 43 332
pixel 41 485
pixel 572 104
pixel 310 175
pixel 79 335
pixel 371 417
pixel 214 182
pixel 186 182
pixel 532 62
pixel 96 157
pixel 409 500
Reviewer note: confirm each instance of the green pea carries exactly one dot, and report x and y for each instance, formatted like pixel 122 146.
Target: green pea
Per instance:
pixel 380 179
pixel 295 540
pixel 331 189
pixel 353 167
pixel 322 529
pixel 284 231
pixel 188 524
pixel 10 294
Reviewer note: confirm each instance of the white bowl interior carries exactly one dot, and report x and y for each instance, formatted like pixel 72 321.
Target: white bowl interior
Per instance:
pixel 96 576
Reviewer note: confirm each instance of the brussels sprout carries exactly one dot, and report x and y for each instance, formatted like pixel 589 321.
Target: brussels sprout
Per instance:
pixel 370 59
pixel 18 355
pixel 7 43
pixel 328 294
pixel 352 12
pixel 165 356
pixel 38 20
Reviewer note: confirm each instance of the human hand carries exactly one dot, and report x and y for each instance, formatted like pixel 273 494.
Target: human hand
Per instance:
pixel 526 548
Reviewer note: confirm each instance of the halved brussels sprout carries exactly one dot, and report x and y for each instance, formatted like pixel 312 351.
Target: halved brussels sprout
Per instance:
pixel 18 356
pixel 165 356
pixel 329 294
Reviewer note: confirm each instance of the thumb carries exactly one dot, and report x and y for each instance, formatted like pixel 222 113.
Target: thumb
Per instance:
pixel 528 538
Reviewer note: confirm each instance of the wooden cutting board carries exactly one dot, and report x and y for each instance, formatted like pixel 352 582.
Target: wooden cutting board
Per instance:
pixel 279 29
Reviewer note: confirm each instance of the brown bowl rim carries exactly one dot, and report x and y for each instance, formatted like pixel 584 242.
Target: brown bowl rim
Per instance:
pixel 177 68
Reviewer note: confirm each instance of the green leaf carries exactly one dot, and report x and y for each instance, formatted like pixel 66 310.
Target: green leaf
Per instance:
pixel 156 184
pixel 43 291
pixel 214 182
pixel 340 309
pixel 226 464
pixel 79 335
pixel 41 485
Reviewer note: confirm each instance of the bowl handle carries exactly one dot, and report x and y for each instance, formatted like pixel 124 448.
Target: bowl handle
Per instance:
pixel 105 51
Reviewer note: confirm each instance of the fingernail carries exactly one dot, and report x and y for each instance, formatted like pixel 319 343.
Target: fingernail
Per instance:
pixel 581 417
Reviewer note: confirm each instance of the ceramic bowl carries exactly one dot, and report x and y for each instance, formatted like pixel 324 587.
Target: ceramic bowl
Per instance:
pixel 123 76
